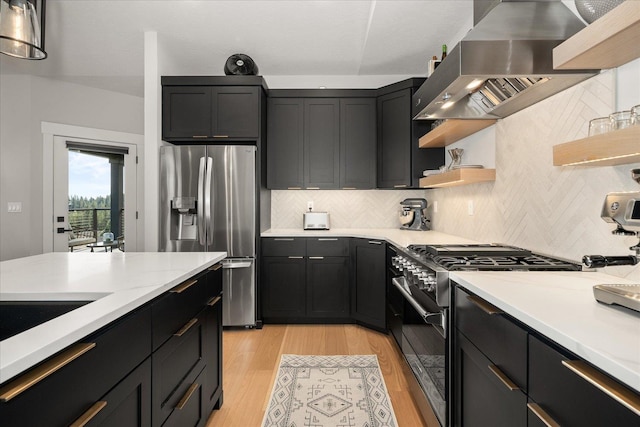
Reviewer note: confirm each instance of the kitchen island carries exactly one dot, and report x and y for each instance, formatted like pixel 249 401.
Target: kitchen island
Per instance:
pixel 145 316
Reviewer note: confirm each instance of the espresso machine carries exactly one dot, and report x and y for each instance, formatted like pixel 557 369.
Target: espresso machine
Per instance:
pixel 623 210
pixel 412 215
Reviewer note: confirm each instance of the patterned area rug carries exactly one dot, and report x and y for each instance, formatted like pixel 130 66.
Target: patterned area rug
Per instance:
pixel 329 391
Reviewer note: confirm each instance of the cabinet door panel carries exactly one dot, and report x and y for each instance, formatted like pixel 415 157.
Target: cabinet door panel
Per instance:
pixel 368 297
pixel 284 290
pixel 236 112
pixel 186 111
pixel 285 131
pixel 357 143
pixel 566 397
pixel 481 398
pixel 394 137
pixel 176 360
pixel 328 287
pixel 212 354
pixel 321 143
pixel 501 340
pixel 129 403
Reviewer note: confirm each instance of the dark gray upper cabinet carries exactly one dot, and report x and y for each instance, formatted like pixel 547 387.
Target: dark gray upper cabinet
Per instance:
pixel 400 160
pixel 357 143
pixel 285 127
pixel 321 139
pixel 321 143
pixel 211 108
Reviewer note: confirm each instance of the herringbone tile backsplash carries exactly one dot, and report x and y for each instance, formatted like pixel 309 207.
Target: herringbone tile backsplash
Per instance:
pixel 532 204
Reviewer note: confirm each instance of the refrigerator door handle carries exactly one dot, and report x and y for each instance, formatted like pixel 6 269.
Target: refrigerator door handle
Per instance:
pixel 200 203
pixel 236 264
pixel 208 202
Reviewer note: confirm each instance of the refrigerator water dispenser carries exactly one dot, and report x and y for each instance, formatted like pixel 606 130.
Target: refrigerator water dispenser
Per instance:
pixel 184 221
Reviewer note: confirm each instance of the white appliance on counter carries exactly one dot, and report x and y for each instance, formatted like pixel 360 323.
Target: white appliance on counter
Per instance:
pixel 208 201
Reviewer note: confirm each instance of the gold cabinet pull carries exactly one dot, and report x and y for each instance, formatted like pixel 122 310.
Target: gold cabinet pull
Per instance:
pixel 484 306
pixel 89 414
pixel 186 327
pixel 503 377
pixel 183 401
pixel 328 239
pixel 294 188
pixel 349 188
pixel 183 286
pixel 216 267
pixel 374 242
pixel 41 372
pixel 295 257
pixel 610 387
pixel 400 186
pixel 214 301
pixel 200 136
pixel 313 188
pixel 221 136
pixel 542 415
pixel 316 257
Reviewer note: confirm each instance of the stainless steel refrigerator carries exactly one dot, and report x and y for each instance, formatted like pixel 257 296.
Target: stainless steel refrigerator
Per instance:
pixel 208 203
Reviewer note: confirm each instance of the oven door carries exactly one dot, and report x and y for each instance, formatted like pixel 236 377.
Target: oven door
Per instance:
pixel 424 344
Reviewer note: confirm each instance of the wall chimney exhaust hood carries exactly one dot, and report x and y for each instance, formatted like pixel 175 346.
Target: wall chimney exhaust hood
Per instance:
pixel 504 64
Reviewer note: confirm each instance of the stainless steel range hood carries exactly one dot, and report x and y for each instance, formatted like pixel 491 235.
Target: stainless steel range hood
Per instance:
pixel 504 64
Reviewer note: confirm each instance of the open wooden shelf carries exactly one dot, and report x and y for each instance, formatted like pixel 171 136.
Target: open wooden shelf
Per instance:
pixel 609 42
pixel 458 177
pixel 618 147
pixel 452 130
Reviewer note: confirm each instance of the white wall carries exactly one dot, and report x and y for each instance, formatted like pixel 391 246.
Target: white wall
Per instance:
pixel 25 102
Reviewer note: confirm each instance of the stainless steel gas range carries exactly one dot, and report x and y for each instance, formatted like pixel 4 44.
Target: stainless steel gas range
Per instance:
pixel 418 301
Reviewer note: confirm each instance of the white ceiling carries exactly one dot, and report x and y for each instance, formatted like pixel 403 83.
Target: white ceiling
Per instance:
pixel 101 43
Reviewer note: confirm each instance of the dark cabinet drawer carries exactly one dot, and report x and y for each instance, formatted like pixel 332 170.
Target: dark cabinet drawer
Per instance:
pixel 483 398
pixel 180 304
pixel 127 405
pixel 94 366
pixel 172 365
pixel 189 410
pixel 568 398
pixel 284 246
pixel 500 339
pixel 327 246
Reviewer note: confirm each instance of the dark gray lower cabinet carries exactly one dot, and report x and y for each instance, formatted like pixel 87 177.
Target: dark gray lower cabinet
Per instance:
pixel 308 280
pixel 283 283
pixel 328 287
pixel 506 374
pixel 368 293
pixel 177 384
pixel 567 398
pixel 482 398
pixel 129 403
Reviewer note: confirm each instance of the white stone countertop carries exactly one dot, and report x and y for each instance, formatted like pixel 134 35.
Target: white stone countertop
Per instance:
pixel 115 282
pixel 561 306
pixel 401 238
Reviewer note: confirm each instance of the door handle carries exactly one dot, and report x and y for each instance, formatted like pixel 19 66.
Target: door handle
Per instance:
pixel 63 230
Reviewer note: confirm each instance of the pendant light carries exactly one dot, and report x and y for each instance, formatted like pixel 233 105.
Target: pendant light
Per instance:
pixel 22 28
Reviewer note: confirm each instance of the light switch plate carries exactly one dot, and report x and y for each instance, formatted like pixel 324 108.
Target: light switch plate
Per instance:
pixel 14 207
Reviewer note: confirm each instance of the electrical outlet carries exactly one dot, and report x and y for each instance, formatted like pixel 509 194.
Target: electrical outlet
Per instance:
pixel 470 208
pixel 310 205
pixel 435 206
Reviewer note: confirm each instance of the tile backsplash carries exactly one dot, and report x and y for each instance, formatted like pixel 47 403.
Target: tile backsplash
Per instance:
pixel 533 204
pixel 348 208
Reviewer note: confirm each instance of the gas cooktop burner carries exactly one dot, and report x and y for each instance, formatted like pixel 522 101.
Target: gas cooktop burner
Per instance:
pixel 489 257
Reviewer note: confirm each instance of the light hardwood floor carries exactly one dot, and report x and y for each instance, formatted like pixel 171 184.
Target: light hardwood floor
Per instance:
pixel 251 359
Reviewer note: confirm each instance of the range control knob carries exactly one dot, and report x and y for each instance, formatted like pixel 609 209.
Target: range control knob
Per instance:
pixel 427 282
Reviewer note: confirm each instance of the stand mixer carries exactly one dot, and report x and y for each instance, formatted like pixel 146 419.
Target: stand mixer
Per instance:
pixel 412 216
